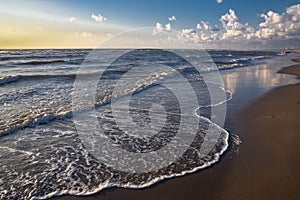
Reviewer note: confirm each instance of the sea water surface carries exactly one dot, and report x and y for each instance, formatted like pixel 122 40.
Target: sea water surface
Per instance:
pixel 41 153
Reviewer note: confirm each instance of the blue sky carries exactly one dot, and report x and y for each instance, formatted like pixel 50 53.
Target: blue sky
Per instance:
pixel 53 15
pixel 147 12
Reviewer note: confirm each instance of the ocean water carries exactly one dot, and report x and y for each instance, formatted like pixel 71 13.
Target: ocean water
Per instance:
pixel 42 154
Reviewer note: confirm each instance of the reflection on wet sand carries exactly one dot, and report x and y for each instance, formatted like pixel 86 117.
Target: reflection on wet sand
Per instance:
pixel 262 77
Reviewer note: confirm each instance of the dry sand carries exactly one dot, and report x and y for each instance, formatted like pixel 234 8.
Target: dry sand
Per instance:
pixel 266 167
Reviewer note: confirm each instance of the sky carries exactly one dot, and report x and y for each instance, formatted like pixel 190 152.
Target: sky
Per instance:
pixel 218 24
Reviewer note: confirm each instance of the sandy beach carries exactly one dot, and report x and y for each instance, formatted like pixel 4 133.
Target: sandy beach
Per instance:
pixel 150 100
pixel 264 166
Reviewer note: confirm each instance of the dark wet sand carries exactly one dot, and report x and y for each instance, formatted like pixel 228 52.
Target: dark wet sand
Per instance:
pixel 266 167
pixel 293 70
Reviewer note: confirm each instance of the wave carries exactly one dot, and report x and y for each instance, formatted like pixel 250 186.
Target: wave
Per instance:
pixel 48 115
pixel 14 53
pixel 65 112
pixel 41 62
pixel 32 121
pixel 208 161
pixel 212 159
pixel 107 184
pixel 4 58
pixel 51 114
pixel 8 79
pixel 14 78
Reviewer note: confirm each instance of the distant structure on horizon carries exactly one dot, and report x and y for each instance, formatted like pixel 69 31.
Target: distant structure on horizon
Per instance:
pixel 290 51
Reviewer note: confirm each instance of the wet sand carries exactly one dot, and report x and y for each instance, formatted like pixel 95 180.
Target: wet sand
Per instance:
pixel 272 127
pixel 293 70
pixel 265 166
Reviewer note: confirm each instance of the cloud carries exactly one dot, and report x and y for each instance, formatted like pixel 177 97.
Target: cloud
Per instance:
pixel 159 28
pixel 190 35
pixel 173 18
pixel 275 26
pixel 230 16
pixel 219 1
pixel 275 30
pixel 284 25
pixel 168 27
pixel 72 19
pixel 234 29
pixel 200 37
pixel 188 31
pixel 207 27
pixel 98 18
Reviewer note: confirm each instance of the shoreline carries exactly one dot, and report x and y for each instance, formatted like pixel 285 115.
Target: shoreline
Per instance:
pixel 229 178
pixel 274 122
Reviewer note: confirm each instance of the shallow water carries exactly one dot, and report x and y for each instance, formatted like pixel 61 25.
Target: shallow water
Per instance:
pixel 41 152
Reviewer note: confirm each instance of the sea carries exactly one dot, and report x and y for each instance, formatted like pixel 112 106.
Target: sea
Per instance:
pixel 47 149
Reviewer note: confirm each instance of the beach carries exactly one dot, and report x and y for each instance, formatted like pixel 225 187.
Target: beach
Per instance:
pixel 150 100
pixel 44 156
pixel 266 163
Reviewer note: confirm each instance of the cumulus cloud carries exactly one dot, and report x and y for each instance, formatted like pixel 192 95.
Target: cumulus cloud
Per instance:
pixel 207 27
pixel 230 16
pixel 235 29
pixel 72 19
pixel 168 27
pixel 173 18
pixel 219 1
pixel 98 18
pixel 159 28
pixel 284 25
pixel 274 27
pixel 198 37
pixel 190 35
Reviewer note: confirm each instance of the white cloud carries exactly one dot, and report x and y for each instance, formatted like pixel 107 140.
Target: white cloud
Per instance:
pixel 274 28
pixel 219 1
pixel 190 35
pixel 234 29
pixel 168 27
pixel 284 25
pixel 173 18
pixel 159 28
pixel 230 16
pixel 72 19
pixel 207 27
pixel 98 18
pixel 202 25
pixel 188 31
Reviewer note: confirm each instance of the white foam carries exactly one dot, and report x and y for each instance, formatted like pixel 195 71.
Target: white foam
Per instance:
pixel 107 184
pixel 17 150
